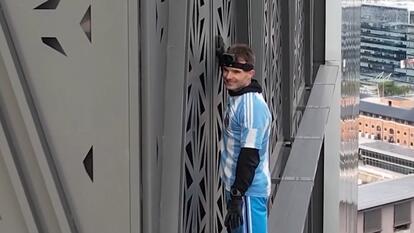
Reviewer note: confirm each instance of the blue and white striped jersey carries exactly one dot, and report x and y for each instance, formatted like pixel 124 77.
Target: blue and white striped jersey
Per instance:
pixel 246 124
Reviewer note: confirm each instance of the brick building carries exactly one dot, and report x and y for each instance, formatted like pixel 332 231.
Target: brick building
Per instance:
pixel 388 119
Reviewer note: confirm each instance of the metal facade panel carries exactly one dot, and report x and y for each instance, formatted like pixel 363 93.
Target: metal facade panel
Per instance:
pixel 153 52
pixel 203 199
pixel 172 150
pixel 81 99
pixel 197 142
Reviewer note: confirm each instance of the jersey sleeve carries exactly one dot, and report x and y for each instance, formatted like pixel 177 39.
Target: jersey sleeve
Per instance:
pixel 254 121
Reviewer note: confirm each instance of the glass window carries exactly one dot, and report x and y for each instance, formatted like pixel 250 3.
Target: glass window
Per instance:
pixel 402 215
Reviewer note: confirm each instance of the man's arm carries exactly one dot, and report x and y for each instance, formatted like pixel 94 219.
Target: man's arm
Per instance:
pixel 246 166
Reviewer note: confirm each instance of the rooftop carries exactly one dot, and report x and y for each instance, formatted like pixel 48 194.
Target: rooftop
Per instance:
pixel 385 192
pixel 367 105
pixel 389 149
pixel 408 5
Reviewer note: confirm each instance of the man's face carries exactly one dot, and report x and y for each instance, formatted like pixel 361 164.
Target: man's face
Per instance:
pixel 235 78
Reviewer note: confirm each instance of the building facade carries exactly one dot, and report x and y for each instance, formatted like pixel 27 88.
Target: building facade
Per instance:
pixel 387 42
pixel 387 156
pixel 390 119
pixel 111 113
pixel 384 206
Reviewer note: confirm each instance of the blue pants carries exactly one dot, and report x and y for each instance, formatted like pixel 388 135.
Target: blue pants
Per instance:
pixel 254 214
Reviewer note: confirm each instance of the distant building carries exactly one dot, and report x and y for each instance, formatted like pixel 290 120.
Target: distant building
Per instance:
pixel 386 206
pixel 388 119
pixel 387 156
pixel 387 41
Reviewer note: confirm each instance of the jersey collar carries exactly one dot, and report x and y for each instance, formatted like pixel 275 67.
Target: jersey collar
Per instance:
pixel 254 86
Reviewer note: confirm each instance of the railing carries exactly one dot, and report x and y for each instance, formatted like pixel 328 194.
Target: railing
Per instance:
pixel 302 180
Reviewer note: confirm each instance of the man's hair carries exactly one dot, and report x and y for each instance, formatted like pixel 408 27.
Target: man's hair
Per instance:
pixel 242 52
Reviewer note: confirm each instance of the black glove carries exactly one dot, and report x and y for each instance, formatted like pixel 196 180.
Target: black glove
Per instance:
pixel 234 217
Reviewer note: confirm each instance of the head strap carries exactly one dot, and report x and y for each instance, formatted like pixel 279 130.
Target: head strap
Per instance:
pixel 229 60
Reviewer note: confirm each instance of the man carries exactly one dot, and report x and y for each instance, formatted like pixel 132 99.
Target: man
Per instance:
pixel 244 159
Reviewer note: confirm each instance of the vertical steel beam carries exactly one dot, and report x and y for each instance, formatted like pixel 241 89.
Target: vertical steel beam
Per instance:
pixel 308 41
pixel 135 180
pixel 172 159
pixel 242 21
pixel 287 31
pixel 319 19
pixel 257 34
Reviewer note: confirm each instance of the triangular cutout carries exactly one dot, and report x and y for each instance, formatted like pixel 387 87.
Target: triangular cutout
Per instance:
pixel 88 163
pixel 54 44
pixel 86 24
pixel 48 5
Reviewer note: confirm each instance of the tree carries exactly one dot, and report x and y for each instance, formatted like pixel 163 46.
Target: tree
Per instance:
pixel 388 88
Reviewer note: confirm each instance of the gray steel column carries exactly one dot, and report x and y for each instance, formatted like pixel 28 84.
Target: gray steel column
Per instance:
pixel 135 140
pixel 172 146
pixel 242 20
pixel 153 49
pixel 308 41
pixel 287 66
pixel 257 35
pixel 318 46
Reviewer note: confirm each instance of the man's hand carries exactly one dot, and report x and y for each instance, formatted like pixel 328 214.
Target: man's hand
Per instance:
pixel 234 217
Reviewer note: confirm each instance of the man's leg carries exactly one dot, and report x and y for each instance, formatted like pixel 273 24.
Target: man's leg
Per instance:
pixel 254 215
pixel 257 214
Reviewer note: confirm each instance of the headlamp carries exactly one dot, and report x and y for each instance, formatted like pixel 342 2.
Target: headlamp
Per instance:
pixel 229 60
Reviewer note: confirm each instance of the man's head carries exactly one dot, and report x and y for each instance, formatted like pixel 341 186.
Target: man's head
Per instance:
pixel 238 66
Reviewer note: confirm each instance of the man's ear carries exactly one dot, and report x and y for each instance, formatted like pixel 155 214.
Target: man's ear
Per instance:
pixel 252 73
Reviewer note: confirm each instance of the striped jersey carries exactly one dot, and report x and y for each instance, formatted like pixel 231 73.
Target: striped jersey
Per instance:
pixel 246 124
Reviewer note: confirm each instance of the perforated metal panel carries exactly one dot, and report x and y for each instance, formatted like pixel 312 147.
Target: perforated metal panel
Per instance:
pixel 197 121
pixel 203 201
pixel 224 26
pixel 272 69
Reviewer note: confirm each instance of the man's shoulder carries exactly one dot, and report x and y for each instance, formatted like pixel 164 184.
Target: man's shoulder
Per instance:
pixel 254 99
